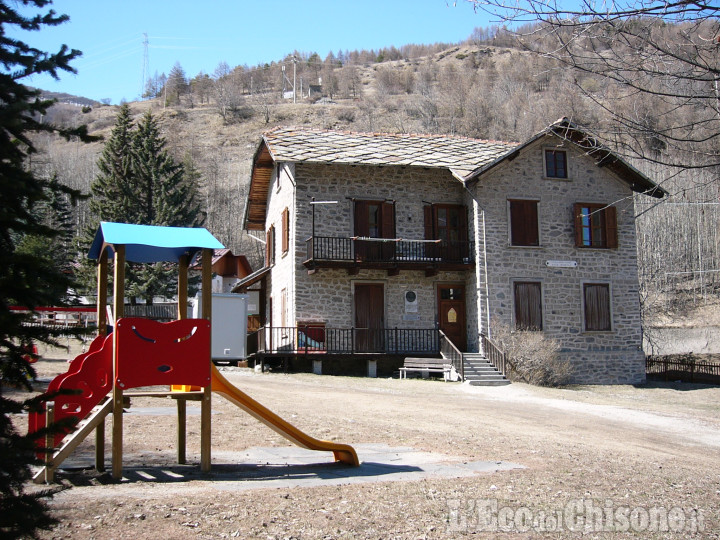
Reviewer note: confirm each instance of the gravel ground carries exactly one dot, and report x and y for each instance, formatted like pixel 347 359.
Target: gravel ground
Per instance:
pixel 639 461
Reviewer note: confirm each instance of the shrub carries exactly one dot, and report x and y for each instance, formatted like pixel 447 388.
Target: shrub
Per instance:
pixel 533 357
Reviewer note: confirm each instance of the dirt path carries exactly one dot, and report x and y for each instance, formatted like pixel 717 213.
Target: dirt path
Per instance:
pixel 632 455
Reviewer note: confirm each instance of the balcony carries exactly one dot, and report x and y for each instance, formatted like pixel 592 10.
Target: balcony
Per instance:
pixel 319 340
pixel 392 254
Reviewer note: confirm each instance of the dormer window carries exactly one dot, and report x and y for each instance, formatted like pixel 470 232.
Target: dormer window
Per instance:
pixel 556 163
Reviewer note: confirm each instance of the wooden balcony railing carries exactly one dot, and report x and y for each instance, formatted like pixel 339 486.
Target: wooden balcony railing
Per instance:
pixel 382 250
pixel 322 340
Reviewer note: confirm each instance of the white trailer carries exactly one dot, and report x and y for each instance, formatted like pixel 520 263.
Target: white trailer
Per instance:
pixel 229 326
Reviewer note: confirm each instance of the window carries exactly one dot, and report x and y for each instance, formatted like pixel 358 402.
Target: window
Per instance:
pixel 556 164
pixel 447 222
pixel 595 225
pixel 285 230
pixel 374 219
pixel 270 246
pixel 528 305
pixel 596 300
pixel 524 223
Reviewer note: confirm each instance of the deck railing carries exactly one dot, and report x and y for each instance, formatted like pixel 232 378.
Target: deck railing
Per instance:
pixel 449 351
pixel 318 339
pixel 382 250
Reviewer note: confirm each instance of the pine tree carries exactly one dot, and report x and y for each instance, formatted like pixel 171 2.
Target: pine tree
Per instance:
pixel 25 278
pixel 113 185
pixel 140 182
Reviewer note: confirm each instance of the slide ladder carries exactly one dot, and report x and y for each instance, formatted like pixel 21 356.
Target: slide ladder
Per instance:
pixel 82 430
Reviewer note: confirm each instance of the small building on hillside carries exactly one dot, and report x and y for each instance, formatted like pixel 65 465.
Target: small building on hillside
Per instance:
pixel 380 247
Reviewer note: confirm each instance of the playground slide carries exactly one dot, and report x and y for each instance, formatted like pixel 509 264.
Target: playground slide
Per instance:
pixel 343 452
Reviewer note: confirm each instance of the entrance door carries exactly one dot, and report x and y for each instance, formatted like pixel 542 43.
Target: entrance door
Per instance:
pixel 369 317
pixel 451 314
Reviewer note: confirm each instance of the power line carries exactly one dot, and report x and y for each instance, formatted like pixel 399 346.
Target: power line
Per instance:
pixel 146 63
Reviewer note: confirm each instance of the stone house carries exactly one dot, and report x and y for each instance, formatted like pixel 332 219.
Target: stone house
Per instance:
pixel 380 247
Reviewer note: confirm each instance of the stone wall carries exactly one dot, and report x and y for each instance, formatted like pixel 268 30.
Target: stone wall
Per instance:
pixel 598 357
pixel 327 295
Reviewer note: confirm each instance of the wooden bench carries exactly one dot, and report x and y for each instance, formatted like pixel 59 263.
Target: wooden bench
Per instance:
pixel 425 365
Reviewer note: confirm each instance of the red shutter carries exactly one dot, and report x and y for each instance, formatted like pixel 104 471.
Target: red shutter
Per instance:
pixel 611 232
pixel 577 219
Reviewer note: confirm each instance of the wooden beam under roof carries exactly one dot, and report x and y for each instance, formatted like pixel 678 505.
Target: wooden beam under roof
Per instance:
pixel 263 165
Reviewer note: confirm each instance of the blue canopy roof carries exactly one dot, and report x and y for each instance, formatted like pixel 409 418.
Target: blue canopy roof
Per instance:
pixel 152 243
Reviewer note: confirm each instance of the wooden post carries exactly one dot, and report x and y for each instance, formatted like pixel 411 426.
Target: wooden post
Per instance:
pixel 181 432
pixel 102 283
pixel 119 306
pixel 206 404
pixel 49 443
pixel 100 447
pixel 182 303
pixel 102 280
pixel 181 403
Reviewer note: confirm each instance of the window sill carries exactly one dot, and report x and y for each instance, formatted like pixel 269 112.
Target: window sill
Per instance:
pixel 558 178
pixel 514 246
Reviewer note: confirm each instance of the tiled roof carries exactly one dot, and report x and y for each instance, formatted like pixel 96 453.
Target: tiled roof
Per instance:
pixel 458 154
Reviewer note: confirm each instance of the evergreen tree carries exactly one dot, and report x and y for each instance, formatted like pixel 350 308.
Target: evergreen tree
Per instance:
pixel 112 187
pixel 25 278
pixel 140 182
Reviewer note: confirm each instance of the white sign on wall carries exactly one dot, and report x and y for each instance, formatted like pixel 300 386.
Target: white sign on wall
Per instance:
pixel 561 264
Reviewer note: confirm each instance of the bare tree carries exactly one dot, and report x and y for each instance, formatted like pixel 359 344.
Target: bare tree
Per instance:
pixel 652 66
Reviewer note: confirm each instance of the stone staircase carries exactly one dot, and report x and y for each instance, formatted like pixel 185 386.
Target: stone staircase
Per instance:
pixel 480 372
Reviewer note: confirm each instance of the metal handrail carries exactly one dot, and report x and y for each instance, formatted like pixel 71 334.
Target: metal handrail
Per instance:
pixel 496 356
pixel 450 351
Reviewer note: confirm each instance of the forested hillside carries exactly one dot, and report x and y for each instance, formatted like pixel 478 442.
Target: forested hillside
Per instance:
pixel 489 87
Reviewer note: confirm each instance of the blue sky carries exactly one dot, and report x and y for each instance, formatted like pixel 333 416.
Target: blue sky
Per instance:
pixel 202 33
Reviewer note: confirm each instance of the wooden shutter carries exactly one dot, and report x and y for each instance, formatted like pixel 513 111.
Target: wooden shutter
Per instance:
pixel 270 246
pixel 524 223
pixel 528 306
pixel 577 218
pixel 428 222
pixel 611 232
pixel 597 306
pixel 388 220
pixel 361 219
pixel 463 232
pixel 387 226
pixel 285 230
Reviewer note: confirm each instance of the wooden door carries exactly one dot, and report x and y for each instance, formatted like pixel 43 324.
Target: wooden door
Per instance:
pixel 369 317
pixel 451 314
